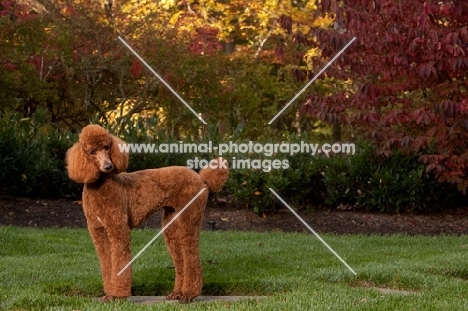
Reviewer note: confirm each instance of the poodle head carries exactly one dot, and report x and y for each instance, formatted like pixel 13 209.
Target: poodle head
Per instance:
pixel 97 152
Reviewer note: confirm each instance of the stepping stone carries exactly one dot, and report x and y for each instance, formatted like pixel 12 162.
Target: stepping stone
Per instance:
pixel 147 300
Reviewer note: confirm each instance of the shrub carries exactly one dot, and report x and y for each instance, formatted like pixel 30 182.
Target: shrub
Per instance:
pixel 364 181
pixel 32 156
pixel 300 184
pixel 148 131
pixel 395 183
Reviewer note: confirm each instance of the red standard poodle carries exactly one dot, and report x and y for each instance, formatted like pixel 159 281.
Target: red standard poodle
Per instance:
pixel 115 201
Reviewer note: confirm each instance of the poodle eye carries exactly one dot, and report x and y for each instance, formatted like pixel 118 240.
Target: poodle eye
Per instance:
pixel 92 152
pixel 106 148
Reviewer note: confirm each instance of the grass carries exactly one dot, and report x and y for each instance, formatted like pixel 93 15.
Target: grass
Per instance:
pixel 57 269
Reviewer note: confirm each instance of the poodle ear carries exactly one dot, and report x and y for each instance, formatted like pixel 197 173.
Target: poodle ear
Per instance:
pixel 118 155
pixel 80 168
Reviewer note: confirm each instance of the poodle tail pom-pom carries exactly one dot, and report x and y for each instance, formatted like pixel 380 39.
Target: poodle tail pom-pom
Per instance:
pixel 215 174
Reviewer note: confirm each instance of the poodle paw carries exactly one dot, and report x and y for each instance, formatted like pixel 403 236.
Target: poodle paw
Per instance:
pixel 174 296
pixel 107 298
pixel 186 299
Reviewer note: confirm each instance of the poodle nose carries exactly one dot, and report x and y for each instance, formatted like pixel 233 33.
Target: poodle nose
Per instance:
pixel 108 166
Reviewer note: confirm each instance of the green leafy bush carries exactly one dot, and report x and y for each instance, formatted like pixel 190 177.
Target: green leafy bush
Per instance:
pixel 32 156
pixel 395 183
pixel 148 131
pixel 300 184
pixel 361 181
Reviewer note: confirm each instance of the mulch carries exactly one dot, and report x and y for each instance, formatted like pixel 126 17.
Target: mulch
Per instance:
pixel 225 215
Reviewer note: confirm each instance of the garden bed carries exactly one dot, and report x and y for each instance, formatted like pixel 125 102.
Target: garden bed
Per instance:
pixel 67 213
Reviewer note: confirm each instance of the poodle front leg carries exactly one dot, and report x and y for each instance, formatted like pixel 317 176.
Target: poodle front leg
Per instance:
pixel 121 255
pixel 102 246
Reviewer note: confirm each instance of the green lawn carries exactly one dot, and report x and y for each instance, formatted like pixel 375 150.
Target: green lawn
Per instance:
pixel 57 269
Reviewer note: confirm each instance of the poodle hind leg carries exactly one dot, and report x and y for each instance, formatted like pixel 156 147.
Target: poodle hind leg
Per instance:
pixel 193 273
pixel 189 238
pixel 184 240
pixel 172 244
pixel 188 269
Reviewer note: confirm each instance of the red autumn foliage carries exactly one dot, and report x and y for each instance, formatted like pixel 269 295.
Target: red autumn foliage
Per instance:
pixel 136 68
pixel 409 69
pixel 205 41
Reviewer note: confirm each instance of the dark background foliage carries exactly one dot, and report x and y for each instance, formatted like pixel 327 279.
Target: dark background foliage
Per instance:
pixel 399 92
